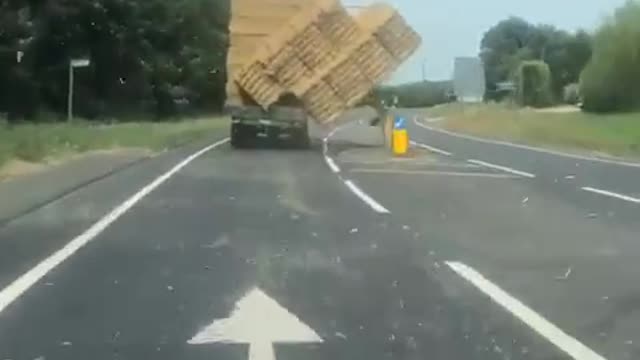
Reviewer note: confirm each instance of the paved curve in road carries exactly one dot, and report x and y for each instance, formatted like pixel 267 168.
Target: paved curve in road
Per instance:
pixel 270 253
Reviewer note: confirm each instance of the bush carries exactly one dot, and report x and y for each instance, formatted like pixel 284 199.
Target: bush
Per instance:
pixel 571 94
pixel 611 80
pixel 533 84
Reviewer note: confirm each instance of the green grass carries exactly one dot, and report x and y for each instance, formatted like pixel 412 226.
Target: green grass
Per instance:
pixel 615 134
pixel 39 142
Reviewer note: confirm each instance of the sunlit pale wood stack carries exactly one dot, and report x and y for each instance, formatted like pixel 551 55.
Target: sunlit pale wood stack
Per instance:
pixel 327 58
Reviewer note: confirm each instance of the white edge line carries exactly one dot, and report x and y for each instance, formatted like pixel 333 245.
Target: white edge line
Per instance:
pixel 431 148
pixel 19 286
pixel 332 164
pixel 542 326
pixel 502 168
pixel 612 194
pixel 525 147
pixel 366 198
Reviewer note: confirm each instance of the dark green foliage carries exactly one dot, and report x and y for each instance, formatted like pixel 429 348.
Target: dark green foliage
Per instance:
pixel 611 80
pixel 418 94
pixel 514 40
pixel 161 57
pixel 533 81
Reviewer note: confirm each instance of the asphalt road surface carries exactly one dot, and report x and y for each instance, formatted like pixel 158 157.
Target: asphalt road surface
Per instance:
pixel 341 252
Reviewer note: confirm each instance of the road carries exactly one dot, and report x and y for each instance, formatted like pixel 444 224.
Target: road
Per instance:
pixel 340 252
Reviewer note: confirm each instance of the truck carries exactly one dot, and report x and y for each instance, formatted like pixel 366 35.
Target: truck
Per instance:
pixel 252 21
pixel 293 61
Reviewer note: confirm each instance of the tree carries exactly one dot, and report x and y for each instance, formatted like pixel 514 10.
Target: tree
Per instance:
pixel 506 45
pixel 611 80
pixel 533 80
pixel 147 55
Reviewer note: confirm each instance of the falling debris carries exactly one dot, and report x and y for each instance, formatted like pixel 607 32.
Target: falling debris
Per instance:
pixel 295 216
pixel 405 227
pixel 66 343
pixel 565 276
pixel 436 265
pixel 431 252
pixel 570 177
pixel 592 215
pixel 497 349
pixel 232 198
pixel 314 234
pixel 341 335
pixel 628 342
pixel 605 298
pixel 374 246
pixel 392 337
pixel 395 283
pixel 170 288
pixel 353 231
pixel 525 200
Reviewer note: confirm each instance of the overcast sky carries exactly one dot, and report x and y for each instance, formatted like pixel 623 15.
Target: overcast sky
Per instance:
pixel 451 28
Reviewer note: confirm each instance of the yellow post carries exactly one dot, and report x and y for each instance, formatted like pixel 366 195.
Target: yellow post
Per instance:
pixel 400 137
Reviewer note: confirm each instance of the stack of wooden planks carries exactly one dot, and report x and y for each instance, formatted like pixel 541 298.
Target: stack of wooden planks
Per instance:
pixel 325 57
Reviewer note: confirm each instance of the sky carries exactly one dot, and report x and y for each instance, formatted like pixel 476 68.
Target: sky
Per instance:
pixel 451 28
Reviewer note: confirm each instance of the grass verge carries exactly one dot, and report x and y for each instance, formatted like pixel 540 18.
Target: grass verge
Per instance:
pixel 614 134
pixel 40 142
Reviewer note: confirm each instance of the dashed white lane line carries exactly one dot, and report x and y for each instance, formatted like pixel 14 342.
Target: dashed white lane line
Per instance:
pixel 431 148
pixel 537 322
pixel 502 168
pixel 366 198
pixel 612 194
pixel 19 286
pixel 525 147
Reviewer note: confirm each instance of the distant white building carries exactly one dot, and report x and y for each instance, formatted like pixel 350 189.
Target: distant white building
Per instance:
pixel 468 79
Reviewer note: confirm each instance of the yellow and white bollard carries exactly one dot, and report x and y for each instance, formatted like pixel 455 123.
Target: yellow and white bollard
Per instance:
pixel 400 137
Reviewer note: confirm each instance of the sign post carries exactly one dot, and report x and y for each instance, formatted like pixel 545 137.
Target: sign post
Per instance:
pixel 74 63
pixel 400 138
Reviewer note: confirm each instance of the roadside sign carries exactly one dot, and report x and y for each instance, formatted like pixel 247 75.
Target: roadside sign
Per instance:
pixel 80 62
pixel 399 123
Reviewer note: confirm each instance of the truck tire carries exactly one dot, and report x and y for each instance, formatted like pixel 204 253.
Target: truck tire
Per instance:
pixel 238 136
pixel 301 138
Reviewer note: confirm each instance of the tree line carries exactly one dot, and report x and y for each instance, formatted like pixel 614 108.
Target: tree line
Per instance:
pixel 148 57
pixel 549 65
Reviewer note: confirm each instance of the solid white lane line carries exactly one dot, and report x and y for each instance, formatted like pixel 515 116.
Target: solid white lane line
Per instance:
pixel 525 147
pixel 612 194
pixel 431 148
pixel 501 168
pixel 332 164
pixel 366 198
pixel 19 286
pixel 542 326
pixel 433 172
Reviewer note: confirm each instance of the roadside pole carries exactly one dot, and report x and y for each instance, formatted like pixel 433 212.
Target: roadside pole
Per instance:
pixel 74 63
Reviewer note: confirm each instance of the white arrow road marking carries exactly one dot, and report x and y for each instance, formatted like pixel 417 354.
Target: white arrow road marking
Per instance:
pixel 259 321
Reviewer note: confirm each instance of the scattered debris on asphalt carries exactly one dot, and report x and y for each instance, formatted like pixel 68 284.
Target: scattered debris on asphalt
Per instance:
pixel 341 335
pixel 353 231
pixel 314 234
pixel 170 288
pixel 592 215
pixel 232 198
pixel 605 298
pixel 294 216
pixel 628 342
pixel 66 343
pixel 436 265
pixel 566 274
pixel 570 177
pixel 405 227
pixel 525 201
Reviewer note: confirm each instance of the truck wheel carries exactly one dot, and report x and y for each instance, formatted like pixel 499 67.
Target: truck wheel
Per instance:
pixel 301 138
pixel 238 136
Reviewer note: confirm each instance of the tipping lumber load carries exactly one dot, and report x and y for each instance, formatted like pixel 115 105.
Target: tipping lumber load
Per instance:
pixel 326 58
